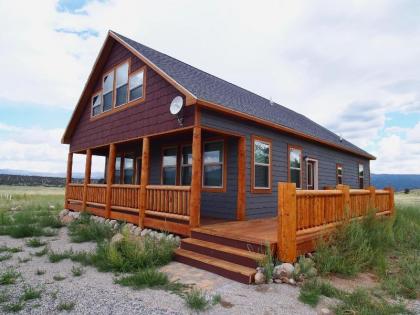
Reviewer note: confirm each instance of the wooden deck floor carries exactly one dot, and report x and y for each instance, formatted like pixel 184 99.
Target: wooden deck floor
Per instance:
pixel 256 231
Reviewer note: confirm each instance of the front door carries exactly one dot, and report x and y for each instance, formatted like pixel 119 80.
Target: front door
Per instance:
pixel 310 171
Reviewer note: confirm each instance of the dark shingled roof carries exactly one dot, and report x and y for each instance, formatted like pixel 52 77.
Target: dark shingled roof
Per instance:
pixel 209 88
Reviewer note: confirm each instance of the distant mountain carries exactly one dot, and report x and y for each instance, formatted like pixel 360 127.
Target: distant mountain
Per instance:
pixel 398 181
pixel 94 175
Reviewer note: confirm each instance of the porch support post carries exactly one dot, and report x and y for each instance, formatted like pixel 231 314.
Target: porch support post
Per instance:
pixel 286 226
pixel 88 166
pixel 241 203
pixel 345 189
pixel 68 177
pixel 110 178
pixel 195 200
pixel 144 180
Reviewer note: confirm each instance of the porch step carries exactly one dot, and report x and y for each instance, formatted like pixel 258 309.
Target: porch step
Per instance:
pixel 221 267
pixel 232 241
pixel 231 254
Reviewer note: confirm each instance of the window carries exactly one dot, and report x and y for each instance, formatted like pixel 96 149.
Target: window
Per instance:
pixel 138 171
pixel 361 176
pixel 339 174
pixel 295 166
pixel 136 85
pixel 261 168
pixel 121 84
pixel 128 170
pixel 186 165
pixel 96 104
pixel 117 173
pixel 213 160
pixel 169 162
pixel 108 88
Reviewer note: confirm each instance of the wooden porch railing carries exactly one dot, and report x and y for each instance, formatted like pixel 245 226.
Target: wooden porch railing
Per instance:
pixel 306 215
pixel 75 192
pixel 168 201
pixel 162 203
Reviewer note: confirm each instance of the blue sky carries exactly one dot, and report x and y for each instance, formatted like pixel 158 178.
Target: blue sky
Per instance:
pixel 351 67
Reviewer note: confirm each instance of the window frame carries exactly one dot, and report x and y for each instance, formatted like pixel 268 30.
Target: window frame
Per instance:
pixel 182 165
pixel 255 189
pixel 291 147
pixel 128 62
pixel 142 69
pixel 361 177
pixel 112 91
pixel 129 103
pixel 224 167
pixel 337 166
pixel 99 92
pixel 163 148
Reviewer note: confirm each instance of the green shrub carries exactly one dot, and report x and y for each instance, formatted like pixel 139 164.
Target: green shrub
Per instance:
pixel 132 255
pixel 77 271
pixel 312 290
pixel 13 307
pixel 148 278
pixel 35 242
pixel 42 252
pixel 30 293
pixel 55 257
pixel 267 263
pixel 5 257
pixel 196 300
pixel 9 276
pixel 66 306
pixel 85 230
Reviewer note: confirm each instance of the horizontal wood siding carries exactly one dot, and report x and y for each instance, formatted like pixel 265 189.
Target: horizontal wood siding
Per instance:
pixel 148 117
pixel 223 204
pixel 265 205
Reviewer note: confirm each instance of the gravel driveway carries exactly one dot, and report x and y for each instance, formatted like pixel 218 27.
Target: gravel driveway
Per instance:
pixel 95 293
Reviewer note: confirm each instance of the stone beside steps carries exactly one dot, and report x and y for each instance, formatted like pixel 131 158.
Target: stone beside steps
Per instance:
pixel 229 257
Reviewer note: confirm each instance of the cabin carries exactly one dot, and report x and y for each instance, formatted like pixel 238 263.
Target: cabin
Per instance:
pixel 191 154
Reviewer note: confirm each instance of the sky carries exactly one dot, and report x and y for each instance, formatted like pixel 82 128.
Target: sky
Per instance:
pixel 351 66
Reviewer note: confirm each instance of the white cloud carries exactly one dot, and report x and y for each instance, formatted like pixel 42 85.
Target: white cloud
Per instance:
pixel 344 65
pixel 37 149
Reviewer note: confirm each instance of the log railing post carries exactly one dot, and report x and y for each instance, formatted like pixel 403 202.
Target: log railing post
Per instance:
pixel 372 198
pixel 110 178
pixel 391 200
pixel 346 200
pixel 195 200
pixel 88 166
pixel 68 177
pixel 144 180
pixel 286 229
pixel 241 203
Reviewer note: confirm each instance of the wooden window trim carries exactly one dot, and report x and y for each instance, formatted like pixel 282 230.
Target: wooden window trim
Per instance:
pixel 114 103
pixel 113 92
pixel 289 148
pixel 115 109
pixel 98 92
pixel 336 173
pixel 221 189
pixel 360 177
pixel 163 148
pixel 261 190
pixel 181 164
pixel 307 159
pixel 142 69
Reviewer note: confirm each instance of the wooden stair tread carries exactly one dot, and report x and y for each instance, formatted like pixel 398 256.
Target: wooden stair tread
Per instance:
pixel 246 271
pixel 224 248
pixel 233 236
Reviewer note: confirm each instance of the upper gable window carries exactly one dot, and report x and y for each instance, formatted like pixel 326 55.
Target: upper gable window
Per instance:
pixel 136 85
pixel 108 89
pixel 97 104
pixel 121 84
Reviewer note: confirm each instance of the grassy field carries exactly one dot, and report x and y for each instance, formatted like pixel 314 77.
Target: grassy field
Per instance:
pixel 413 198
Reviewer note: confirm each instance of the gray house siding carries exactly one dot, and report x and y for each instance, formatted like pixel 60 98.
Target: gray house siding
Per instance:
pixel 264 205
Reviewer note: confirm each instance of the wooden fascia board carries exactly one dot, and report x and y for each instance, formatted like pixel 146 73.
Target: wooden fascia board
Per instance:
pixel 278 127
pixel 190 98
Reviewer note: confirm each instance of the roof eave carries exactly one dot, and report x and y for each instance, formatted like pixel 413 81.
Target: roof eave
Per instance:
pixel 262 121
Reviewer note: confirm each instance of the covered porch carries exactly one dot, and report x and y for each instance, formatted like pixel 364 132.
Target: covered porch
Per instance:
pixel 163 181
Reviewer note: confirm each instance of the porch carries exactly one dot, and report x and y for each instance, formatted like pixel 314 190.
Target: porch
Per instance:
pixel 158 181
